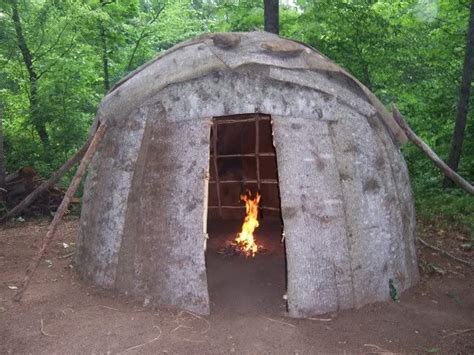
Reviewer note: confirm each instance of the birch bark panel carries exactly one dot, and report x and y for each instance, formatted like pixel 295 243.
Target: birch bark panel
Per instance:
pixel 313 217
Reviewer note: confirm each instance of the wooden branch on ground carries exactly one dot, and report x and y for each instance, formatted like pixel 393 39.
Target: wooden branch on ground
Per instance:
pixel 445 169
pixel 61 210
pixel 47 184
pixel 444 252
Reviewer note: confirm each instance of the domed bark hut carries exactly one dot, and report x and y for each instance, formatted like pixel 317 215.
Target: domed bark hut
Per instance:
pixel 344 190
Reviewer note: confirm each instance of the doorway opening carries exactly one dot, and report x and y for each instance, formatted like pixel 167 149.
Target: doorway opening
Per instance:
pixel 243 166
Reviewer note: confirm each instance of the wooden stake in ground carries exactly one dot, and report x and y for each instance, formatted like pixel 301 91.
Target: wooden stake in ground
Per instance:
pixel 61 210
pixel 445 169
pixel 47 184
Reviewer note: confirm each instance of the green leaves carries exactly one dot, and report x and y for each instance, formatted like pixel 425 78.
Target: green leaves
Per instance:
pixel 67 49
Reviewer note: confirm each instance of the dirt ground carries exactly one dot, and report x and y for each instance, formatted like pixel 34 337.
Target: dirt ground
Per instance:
pixel 62 314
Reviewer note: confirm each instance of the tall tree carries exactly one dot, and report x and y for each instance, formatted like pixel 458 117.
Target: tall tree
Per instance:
pixel 2 159
pixel 33 77
pixel 271 16
pixel 464 94
pixel 105 51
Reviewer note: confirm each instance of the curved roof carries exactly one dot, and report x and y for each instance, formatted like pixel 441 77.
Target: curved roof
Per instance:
pixel 214 52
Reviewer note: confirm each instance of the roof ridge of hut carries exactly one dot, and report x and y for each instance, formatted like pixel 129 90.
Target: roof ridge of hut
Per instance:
pixel 231 40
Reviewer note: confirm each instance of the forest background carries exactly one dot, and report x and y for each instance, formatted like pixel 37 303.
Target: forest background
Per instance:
pixel 58 58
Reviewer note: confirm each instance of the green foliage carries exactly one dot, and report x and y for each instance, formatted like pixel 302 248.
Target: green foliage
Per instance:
pixel 245 15
pixel 67 41
pixel 450 207
pixel 408 51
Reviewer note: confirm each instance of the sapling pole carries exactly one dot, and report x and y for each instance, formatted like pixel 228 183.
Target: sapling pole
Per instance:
pixel 61 210
pixel 445 169
pixel 216 169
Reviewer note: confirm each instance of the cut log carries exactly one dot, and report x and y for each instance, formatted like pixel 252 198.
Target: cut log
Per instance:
pixel 61 210
pixel 445 169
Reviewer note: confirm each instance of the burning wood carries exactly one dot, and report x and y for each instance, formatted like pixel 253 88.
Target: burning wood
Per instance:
pixel 231 248
pixel 245 239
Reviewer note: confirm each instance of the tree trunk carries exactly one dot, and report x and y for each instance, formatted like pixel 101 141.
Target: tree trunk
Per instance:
pixel 2 161
pixel 464 94
pixel 271 16
pixel 35 113
pixel 105 54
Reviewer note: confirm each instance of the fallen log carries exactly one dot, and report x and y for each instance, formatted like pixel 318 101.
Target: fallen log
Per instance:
pixel 49 183
pixel 445 169
pixel 61 210
pixel 22 183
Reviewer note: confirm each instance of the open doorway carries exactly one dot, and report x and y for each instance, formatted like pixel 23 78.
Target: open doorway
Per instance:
pixel 243 165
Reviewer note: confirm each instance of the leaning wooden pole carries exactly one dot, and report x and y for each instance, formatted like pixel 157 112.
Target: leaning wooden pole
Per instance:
pixel 61 210
pixel 47 184
pixel 445 169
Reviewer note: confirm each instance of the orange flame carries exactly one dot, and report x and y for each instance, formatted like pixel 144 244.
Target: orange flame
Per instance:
pixel 245 239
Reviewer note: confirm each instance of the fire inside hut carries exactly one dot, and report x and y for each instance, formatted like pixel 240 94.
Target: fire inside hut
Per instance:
pixel 164 182
pixel 244 221
pixel 245 239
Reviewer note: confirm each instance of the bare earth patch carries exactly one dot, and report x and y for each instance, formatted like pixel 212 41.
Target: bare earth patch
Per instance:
pixel 62 314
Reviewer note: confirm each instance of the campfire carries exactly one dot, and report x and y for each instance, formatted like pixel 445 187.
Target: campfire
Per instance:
pixel 245 239
pixel 245 244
